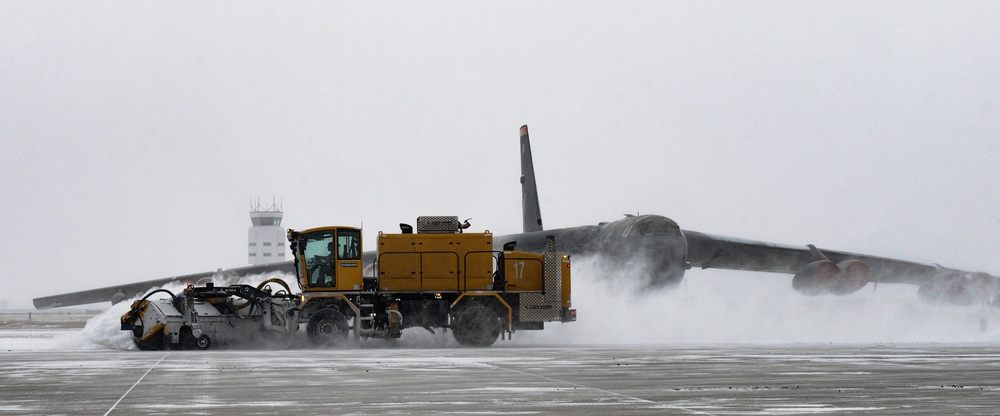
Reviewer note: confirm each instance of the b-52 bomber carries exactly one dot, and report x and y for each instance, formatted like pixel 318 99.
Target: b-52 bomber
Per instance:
pixel 664 253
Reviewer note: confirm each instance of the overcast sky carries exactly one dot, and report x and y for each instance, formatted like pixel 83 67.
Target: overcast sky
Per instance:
pixel 135 134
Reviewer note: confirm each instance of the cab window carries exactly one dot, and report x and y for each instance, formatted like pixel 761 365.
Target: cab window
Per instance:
pixel 349 244
pixel 320 259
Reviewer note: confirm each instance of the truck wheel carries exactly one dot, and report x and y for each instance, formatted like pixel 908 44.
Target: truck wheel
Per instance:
pixel 203 342
pixel 327 327
pixel 477 326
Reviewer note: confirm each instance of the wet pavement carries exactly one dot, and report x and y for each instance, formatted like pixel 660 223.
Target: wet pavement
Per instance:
pixel 715 379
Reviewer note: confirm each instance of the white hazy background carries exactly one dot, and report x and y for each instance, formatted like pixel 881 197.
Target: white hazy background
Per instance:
pixel 135 135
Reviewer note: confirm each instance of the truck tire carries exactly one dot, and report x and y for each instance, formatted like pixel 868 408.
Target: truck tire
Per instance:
pixel 327 327
pixel 477 326
pixel 188 341
pixel 203 342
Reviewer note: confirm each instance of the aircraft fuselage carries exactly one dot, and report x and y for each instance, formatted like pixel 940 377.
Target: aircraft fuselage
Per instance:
pixel 651 248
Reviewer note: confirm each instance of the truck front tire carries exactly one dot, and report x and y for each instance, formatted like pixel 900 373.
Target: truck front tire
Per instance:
pixel 327 327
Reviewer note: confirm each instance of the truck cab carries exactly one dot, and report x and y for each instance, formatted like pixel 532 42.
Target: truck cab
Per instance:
pixel 328 259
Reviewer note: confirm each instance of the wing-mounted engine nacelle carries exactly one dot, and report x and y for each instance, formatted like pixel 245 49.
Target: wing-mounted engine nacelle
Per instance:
pixel 118 297
pixel 823 276
pixel 963 289
pixel 986 288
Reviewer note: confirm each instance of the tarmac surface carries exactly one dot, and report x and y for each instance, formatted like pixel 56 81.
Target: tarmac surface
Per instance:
pixel 712 380
pixel 46 368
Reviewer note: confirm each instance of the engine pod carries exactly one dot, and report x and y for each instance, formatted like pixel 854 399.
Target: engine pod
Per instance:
pixel 817 278
pixel 854 275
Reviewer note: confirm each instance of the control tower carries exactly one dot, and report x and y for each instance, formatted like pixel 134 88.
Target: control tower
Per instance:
pixel 266 237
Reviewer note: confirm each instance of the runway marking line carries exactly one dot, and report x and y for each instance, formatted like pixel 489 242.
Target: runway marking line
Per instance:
pixel 136 384
pixel 600 390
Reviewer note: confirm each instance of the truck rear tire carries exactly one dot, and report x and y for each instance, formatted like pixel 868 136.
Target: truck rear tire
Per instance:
pixel 477 326
pixel 327 327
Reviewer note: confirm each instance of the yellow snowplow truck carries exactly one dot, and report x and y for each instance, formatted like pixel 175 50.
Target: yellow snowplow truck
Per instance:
pixel 438 278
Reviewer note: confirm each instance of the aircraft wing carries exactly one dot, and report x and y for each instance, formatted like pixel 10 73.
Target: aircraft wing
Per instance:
pixel 820 271
pixel 128 290
pixel 709 251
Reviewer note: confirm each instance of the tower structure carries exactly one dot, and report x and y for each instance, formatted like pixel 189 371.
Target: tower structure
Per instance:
pixel 266 238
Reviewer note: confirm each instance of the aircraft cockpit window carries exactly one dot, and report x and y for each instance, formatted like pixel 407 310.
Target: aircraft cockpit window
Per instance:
pixel 647 226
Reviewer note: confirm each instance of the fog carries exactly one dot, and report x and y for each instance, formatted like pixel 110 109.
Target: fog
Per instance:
pixel 135 136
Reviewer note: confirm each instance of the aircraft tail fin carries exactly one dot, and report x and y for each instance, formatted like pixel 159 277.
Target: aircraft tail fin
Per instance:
pixel 530 210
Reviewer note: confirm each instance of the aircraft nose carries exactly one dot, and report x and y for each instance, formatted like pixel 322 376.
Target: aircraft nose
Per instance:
pixel 665 258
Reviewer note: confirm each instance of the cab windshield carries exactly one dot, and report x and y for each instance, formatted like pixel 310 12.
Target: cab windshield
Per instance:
pixel 319 254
